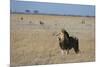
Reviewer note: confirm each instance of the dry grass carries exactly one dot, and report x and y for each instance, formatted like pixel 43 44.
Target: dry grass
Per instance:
pixel 34 44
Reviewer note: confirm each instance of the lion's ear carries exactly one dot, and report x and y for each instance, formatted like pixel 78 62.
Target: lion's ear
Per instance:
pixel 58 38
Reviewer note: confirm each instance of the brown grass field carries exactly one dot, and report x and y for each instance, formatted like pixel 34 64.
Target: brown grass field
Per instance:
pixel 33 43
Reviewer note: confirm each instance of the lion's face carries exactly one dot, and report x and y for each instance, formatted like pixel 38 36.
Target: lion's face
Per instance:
pixel 60 37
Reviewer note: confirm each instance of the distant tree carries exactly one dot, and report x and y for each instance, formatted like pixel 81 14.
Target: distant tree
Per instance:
pixel 36 11
pixel 27 11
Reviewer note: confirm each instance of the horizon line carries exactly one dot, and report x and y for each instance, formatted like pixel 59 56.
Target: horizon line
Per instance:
pixel 49 14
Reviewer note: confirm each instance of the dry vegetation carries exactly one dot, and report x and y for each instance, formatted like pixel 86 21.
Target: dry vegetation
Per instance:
pixel 33 43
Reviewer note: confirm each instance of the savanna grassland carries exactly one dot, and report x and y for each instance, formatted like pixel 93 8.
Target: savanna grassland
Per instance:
pixel 33 39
